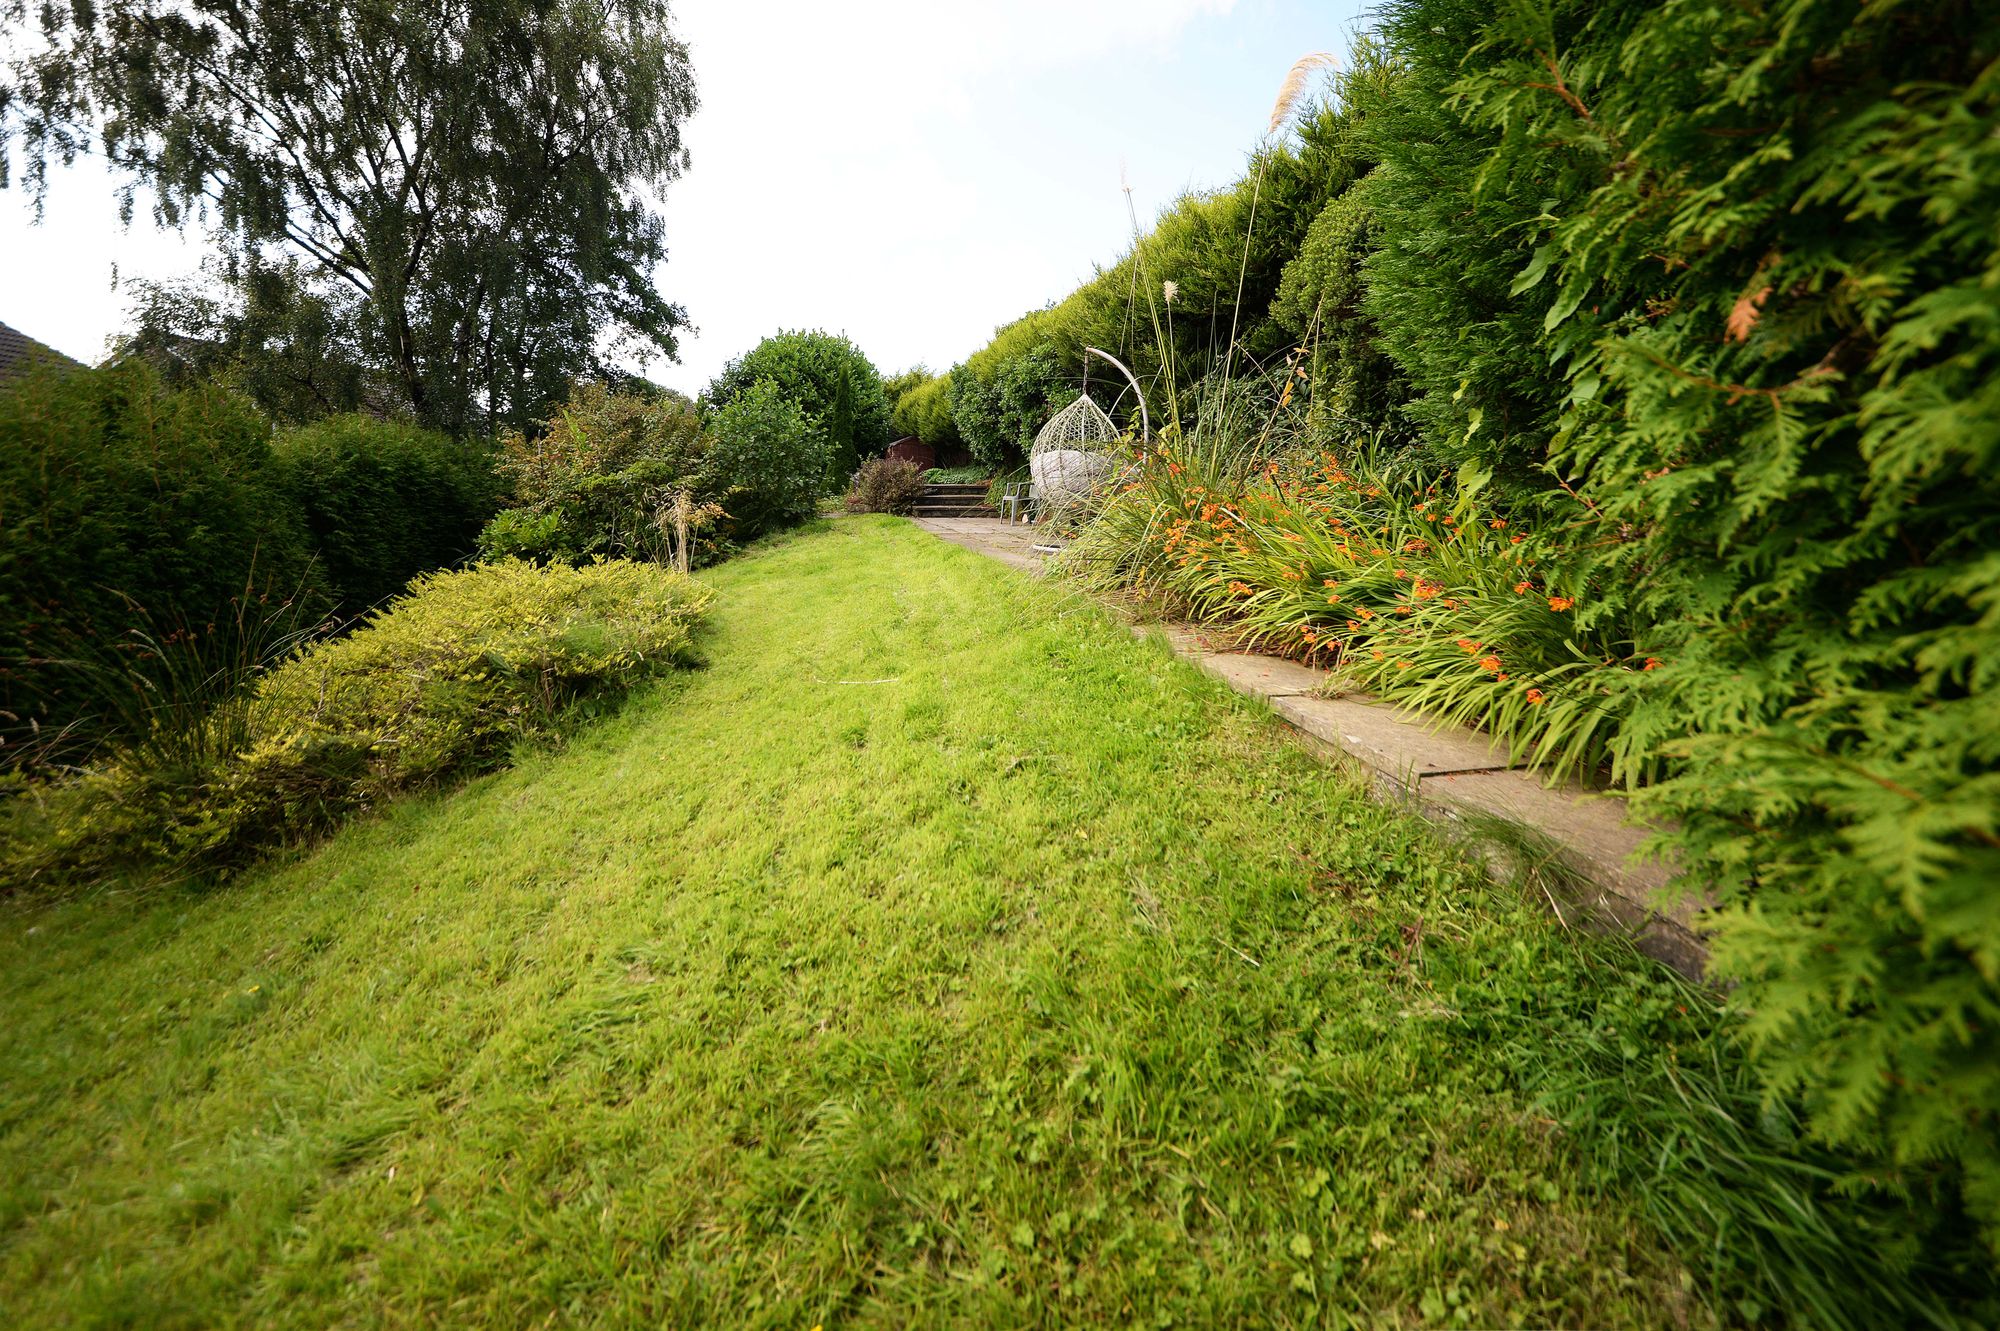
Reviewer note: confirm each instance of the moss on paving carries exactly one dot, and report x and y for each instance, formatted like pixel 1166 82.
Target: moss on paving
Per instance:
pixel 938 954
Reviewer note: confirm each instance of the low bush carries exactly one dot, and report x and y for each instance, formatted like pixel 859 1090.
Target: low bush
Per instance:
pixel 1418 592
pixel 972 475
pixel 383 501
pixel 886 485
pixel 766 461
pixel 439 682
pixel 611 469
pixel 591 483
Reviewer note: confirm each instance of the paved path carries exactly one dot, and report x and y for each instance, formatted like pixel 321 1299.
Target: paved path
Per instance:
pixel 1453 774
pixel 1009 542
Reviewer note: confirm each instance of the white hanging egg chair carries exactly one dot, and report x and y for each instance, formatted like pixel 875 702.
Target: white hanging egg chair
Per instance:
pixel 1071 456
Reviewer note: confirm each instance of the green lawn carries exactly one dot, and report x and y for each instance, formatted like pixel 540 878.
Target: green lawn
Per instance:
pixel 938 955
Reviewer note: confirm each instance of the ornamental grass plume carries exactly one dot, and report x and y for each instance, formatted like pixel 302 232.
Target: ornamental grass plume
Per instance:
pixel 1293 89
pixel 1290 93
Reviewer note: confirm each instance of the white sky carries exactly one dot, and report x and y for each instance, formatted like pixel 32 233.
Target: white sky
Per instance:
pixel 909 173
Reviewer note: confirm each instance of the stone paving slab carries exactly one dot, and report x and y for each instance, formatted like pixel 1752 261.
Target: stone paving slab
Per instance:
pixel 1009 542
pixel 1258 676
pixel 1453 774
pixel 1397 745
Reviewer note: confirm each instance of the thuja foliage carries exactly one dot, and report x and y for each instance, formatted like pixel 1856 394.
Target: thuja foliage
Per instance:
pixel 1702 299
pixel 1771 318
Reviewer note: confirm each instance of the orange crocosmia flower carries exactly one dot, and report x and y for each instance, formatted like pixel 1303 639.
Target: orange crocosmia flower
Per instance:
pixel 1517 539
pixel 1467 645
pixel 1560 603
pixel 1520 589
pixel 1497 523
pixel 1426 590
pixel 1652 663
pixel 1535 697
pixel 1333 598
pixel 1402 573
pixel 1402 665
pixel 1491 663
pixel 1376 655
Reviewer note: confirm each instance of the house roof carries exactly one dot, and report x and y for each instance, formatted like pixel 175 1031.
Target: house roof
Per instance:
pixel 19 352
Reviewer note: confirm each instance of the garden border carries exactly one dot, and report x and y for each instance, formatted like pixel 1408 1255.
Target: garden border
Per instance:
pixel 1453 775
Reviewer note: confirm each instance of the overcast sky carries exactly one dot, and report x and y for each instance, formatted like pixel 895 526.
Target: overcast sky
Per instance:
pixel 908 172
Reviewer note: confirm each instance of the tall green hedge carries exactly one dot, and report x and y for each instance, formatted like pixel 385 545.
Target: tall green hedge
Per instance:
pixel 384 500
pixel 126 505
pixel 116 491
pixel 1715 291
pixel 1769 253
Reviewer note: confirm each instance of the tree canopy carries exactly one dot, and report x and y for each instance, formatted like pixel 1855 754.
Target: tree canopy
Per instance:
pixel 473 181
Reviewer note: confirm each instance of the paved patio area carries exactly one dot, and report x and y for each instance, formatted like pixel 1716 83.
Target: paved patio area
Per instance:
pixel 1009 542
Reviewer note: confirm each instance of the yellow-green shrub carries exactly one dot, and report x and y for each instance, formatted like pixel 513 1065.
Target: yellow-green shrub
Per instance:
pixel 439 682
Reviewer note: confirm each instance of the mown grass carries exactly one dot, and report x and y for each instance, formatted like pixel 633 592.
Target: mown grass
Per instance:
pixel 936 955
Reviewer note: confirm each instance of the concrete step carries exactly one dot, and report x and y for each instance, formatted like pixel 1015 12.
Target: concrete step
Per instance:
pixel 941 490
pixel 923 510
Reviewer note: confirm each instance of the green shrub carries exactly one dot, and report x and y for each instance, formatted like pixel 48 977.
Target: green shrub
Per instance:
pixel 437 683
pixel 767 461
pixel 1754 255
pixel 886 485
pixel 838 390
pixel 383 500
pixel 972 475
pixel 592 482
pixel 119 498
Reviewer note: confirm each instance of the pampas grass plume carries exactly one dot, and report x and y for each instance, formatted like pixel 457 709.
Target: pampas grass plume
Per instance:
pixel 1296 83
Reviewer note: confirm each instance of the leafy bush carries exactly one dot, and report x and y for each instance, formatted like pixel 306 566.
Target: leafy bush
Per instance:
pixel 383 501
pixel 1418 594
pixel 767 461
pixel 927 414
pixel 924 410
pixel 592 482
pixel 838 390
pixel 124 500
pixel 1752 310
pixel 885 485
pixel 437 683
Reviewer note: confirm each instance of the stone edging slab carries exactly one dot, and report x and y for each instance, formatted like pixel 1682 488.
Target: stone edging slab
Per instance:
pixel 1460 776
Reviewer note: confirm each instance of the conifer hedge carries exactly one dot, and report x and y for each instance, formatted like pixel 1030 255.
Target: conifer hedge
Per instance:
pixel 1713 290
